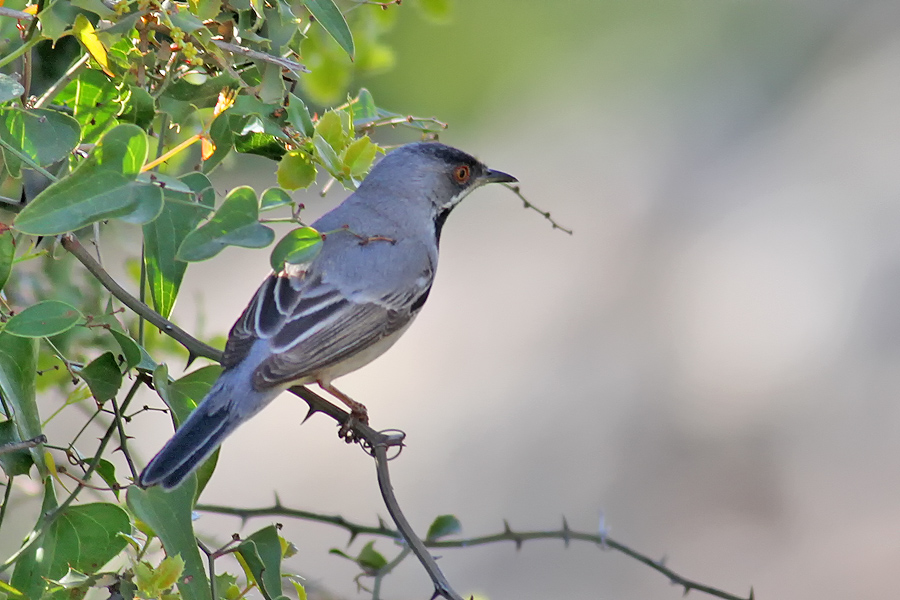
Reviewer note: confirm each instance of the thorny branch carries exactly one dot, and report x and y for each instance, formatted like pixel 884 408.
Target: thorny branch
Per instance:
pixel 376 443
pixel 528 205
pixel 518 538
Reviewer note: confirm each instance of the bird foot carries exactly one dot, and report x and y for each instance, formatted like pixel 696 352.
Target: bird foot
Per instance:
pixel 348 431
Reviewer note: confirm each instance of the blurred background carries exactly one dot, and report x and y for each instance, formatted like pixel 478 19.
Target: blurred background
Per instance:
pixel 710 361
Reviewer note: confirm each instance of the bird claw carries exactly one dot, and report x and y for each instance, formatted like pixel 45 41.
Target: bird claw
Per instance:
pixel 348 431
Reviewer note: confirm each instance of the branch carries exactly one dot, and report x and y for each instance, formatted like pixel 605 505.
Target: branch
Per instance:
pixel 528 205
pixel 194 346
pixel 507 535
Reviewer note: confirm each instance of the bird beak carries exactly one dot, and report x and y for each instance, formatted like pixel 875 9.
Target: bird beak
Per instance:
pixel 492 176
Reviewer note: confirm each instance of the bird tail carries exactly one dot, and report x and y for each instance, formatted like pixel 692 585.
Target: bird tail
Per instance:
pixel 231 401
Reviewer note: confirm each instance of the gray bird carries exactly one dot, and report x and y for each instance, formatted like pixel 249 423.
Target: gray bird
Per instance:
pixel 313 322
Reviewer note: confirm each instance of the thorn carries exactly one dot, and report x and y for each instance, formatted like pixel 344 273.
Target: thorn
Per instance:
pixel 191 358
pixel 662 563
pixel 751 594
pixel 311 412
pixel 353 535
pixel 506 528
pixel 686 590
pixel 277 501
pixel 436 594
pixel 382 524
pixel 602 530
pixel 565 532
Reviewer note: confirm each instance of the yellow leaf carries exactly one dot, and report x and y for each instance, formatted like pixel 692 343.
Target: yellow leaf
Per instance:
pixel 51 464
pixel 207 147
pixel 85 33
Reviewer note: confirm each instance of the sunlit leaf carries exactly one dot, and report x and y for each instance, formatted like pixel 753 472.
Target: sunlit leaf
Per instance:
pixel 298 116
pixel 85 33
pixel 358 157
pixel 274 197
pixel 295 171
pixel 442 526
pixel 44 319
pixel 299 246
pixel 45 136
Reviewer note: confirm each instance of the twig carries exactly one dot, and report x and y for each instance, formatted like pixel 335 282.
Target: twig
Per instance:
pixel 284 63
pixel 117 415
pixel 194 346
pixel 528 205
pixel 15 14
pixel 507 535
pixel 13 446
pixel 57 87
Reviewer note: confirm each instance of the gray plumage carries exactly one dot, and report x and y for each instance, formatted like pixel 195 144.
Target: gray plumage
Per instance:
pixel 316 321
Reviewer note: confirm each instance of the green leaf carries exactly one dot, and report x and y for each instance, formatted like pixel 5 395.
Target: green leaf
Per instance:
pixel 261 554
pixel 83 537
pixel 17 462
pixel 45 136
pixel 358 157
pixel 332 130
pixel 369 559
pixel 18 366
pixel 364 108
pixel 328 156
pixel 299 246
pixel 298 116
pixel 56 18
pixel 295 171
pixel 168 514
pixel 131 350
pixel 328 15
pixel 164 235
pixel 7 255
pixel 103 186
pixel 103 377
pixel 95 102
pixel 9 88
pixel 236 223
pixel 140 108
pixel 274 197
pixel 44 319
pixel 107 472
pixel 443 526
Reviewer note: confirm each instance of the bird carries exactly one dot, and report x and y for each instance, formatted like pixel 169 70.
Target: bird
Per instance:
pixel 315 321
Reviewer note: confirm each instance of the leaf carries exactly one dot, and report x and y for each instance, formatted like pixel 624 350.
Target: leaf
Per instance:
pixel 274 197
pixel 261 556
pixel 358 157
pixel 443 526
pixel 164 235
pixel 107 472
pixel 45 136
pixel 131 351
pixel 370 559
pixel 299 246
pixel 83 538
pixel 331 129
pixel 298 116
pixel 95 102
pixel 103 186
pixel 331 19
pixel 18 366
pixel 168 514
pixel 364 108
pixel 85 33
pixel 327 155
pixel 295 171
pixel 56 18
pixel 17 462
pixel 9 88
pixel 103 377
pixel 236 223
pixel 7 255
pixel 44 319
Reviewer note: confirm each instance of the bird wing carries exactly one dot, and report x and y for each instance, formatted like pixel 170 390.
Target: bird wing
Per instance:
pixel 312 325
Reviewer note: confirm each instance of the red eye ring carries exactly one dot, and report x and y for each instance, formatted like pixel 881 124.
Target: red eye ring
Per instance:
pixel 462 173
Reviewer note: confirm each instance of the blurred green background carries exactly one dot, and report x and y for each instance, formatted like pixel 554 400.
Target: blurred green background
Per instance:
pixel 711 361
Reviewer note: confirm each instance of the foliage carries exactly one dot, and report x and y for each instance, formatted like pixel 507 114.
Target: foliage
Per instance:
pixel 112 116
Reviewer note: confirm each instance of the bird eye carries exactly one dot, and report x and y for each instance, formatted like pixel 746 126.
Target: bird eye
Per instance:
pixel 461 173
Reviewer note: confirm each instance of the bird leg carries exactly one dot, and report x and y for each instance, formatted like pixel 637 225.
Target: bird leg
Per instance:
pixel 358 412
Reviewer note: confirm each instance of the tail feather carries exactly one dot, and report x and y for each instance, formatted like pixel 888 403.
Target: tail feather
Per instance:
pixel 230 402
